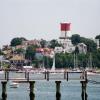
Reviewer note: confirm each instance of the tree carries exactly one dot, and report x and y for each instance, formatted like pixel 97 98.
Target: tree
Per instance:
pixel 76 50
pixel 82 60
pixel 75 39
pixel 96 58
pixel 98 37
pixel 1 53
pixel 43 43
pixel 17 41
pixel 30 52
pixel 54 43
pixel 64 60
pixel 20 51
pixel 91 45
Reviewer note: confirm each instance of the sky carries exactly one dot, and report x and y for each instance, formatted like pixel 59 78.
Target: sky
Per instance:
pixel 36 19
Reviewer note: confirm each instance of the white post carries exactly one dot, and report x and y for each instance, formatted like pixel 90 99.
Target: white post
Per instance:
pixel 53 66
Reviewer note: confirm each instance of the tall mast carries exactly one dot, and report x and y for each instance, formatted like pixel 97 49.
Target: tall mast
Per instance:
pixel 90 60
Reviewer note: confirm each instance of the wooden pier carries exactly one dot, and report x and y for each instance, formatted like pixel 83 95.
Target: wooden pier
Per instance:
pixel 46 76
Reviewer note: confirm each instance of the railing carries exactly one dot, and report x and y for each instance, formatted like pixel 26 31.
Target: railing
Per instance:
pixel 44 75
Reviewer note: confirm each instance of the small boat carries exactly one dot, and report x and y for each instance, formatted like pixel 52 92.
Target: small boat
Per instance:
pixel 1 72
pixel 91 73
pixel 20 71
pixel 14 85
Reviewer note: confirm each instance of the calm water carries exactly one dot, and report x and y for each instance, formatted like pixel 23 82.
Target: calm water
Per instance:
pixel 45 90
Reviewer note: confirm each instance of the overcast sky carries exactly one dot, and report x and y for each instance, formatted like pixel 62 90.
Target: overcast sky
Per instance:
pixel 41 18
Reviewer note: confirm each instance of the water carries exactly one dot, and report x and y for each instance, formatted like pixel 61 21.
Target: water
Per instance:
pixel 46 90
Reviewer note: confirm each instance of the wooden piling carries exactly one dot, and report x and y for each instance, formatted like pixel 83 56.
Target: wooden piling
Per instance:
pixel 84 86
pixel 67 76
pixel 47 75
pixel 86 76
pixel 58 94
pixel 27 76
pixel 32 95
pixel 4 94
pixel 7 75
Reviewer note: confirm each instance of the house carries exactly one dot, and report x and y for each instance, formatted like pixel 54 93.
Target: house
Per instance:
pixel 82 48
pixel 3 61
pixel 58 49
pixel 67 44
pixel 97 41
pixel 17 60
pixel 31 42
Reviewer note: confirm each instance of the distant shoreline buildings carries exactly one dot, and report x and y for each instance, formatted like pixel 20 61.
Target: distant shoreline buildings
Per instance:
pixel 10 52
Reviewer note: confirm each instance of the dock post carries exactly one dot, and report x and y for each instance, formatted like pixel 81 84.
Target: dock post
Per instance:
pixel 47 75
pixel 84 86
pixel 32 95
pixel 27 76
pixel 7 75
pixel 58 94
pixel 67 76
pixel 86 76
pixel 4 94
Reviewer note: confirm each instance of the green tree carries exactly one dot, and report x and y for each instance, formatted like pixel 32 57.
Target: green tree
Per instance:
pixel 82 60
pixel 76 50
pixel 75 39
pixel 30 52
pixel 96 58
pixel 91 45
pixel 64 60
pixel 54 43
pixel 20 51
pixel 17 41
pixel 1 53
pixel 43 43
pixel 98 37
pixel 59 60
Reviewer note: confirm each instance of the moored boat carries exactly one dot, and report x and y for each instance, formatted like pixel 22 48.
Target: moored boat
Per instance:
pixel 1 72
pixel 14 85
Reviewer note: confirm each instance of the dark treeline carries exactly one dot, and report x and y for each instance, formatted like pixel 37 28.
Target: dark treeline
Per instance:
pixel 66 60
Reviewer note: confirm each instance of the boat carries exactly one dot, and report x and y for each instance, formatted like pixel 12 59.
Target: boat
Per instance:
pixel 1 72
pixel 93 73
pixel 90 73
pixel 20 71
pixel 14 85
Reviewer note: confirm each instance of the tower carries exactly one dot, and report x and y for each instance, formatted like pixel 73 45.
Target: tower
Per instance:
pixel 64 27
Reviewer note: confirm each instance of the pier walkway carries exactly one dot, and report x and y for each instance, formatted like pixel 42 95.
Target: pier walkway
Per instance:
pixel 32 76
pixel 46 75
pixel 39 75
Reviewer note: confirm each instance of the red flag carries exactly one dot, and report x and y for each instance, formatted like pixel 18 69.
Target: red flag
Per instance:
pixel 65 26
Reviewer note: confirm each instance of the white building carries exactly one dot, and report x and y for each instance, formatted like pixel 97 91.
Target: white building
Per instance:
pixel 58 49
pixel 82 48
pixel 98 43
pixel 67 44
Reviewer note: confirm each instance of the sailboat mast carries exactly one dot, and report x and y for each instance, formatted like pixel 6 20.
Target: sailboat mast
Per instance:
pixel 74 61
pixel 90 60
